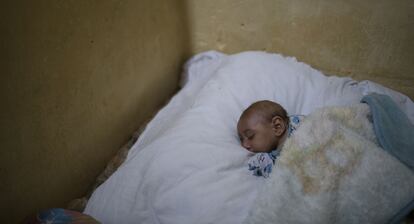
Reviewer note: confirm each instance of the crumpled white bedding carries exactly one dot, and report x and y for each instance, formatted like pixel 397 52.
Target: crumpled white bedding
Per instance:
pixel 188 165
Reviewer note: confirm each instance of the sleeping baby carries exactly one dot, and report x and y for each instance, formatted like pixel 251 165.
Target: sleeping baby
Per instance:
pixel 263 128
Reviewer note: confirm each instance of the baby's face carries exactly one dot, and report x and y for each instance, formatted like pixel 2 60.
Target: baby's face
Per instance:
pixel 255 134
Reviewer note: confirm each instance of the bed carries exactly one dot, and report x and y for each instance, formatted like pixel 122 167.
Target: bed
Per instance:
pixel 188 166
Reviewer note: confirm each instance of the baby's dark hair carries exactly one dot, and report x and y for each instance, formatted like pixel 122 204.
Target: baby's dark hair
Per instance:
pixel 267 110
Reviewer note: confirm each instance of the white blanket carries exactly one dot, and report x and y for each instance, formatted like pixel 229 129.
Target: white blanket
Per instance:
pixel 332 171
pixel 188 165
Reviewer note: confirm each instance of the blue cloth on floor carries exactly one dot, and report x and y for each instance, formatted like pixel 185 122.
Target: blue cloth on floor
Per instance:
pixel 393 129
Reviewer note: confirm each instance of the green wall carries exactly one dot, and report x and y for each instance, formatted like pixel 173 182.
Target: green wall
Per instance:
pixel 368 39
pixel 78 77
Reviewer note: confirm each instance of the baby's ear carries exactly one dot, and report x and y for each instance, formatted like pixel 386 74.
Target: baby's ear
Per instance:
pixel 279 125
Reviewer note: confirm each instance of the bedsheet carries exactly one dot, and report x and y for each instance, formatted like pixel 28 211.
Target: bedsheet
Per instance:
pixel 188 165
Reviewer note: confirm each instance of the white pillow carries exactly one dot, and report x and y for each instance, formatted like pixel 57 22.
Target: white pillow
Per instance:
pixel 251 76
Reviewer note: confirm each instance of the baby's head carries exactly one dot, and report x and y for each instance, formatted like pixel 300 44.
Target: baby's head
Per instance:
pixel 262 126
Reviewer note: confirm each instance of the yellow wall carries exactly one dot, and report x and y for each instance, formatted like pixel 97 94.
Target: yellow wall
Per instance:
pixel 369 39
pixel 78 77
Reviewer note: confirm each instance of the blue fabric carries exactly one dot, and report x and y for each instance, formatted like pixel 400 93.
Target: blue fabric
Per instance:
pixel 59 216
pixel 395 134
pixel 55 215
pixel 399 217
pixel 393 129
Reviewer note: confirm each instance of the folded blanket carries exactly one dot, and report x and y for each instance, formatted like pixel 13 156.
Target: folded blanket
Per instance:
pixel 392 127
pixel 333 171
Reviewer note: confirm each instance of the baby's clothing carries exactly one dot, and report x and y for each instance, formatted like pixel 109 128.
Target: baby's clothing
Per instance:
pixel 261 163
